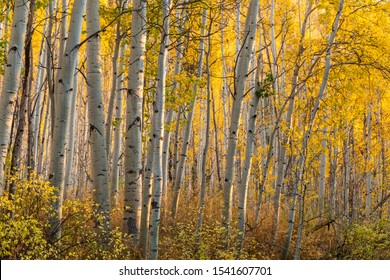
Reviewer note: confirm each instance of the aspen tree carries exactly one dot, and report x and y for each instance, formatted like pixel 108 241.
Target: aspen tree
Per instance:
pixel 261 90
pixel 321 189
pixel 347 172
pixel 117 150
pixel 225 94
pixel 368 140
pixel 60 124
pixel 170 115
pixel 99 165
pixel 158 132
pixel 239 90
pixel 146 199
pixel 71 144
pixel 37 109
pixel 115 76
pixel 133 146
pixel 207 137
pixel 16 161
pixel 11 80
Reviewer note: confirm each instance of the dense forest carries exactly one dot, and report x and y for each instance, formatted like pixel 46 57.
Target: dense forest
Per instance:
pixel 194 129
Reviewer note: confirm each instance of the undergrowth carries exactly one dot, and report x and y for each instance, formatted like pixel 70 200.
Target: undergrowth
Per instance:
pixel 25 232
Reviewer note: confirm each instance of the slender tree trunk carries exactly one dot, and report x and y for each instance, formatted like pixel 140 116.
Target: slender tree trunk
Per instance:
pixel 116 157
pixel 239 85
pixel 175 160
pixel 333 178
pixel 169 120
pixel 158 130
pixel 368 137
pixel 225 88
pixel 63 31
pixel 64 92
pixel 301 223
pixel 347 174
pixel 11 80
pixel 133 147
pixel 69 181
pixel 37 109
pixel 146 200
pixel 250 141
pixel 207 137
pixel 274 67
pixel 50 61
pixel 217 150
pixel 45 136
pixel 321 190
pixel 122 4
pixel 16 161
pixel 99 165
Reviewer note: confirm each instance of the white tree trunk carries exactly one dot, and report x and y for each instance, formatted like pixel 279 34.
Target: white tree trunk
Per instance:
pixel 11 79
pixel 38 93
pixel 321 189
pixel 207 137
pixel 368 137
pixel 64 92
pixel 169 120
pixel 116 162
pixel 250 142
pixel 99 165
pixel 146 199
pixel 158 132
pixel 347 173
pixel 333 180
pixel 239 85
pixel 72 126
pixel 133 146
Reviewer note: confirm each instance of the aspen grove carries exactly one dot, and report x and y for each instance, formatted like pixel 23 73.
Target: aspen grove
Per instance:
pixel 194 129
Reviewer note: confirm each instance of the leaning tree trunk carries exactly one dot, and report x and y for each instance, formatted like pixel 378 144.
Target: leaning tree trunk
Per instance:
pixel 133 148
pixel 239 90
pixel 11 80
pixel 99 165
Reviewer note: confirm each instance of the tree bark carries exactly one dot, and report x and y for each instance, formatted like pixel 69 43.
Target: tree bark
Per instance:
pixel 60 124
pixel 11 80
pixel 99 165
pixel 158 132
pixel 133 146
pixel 239 85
